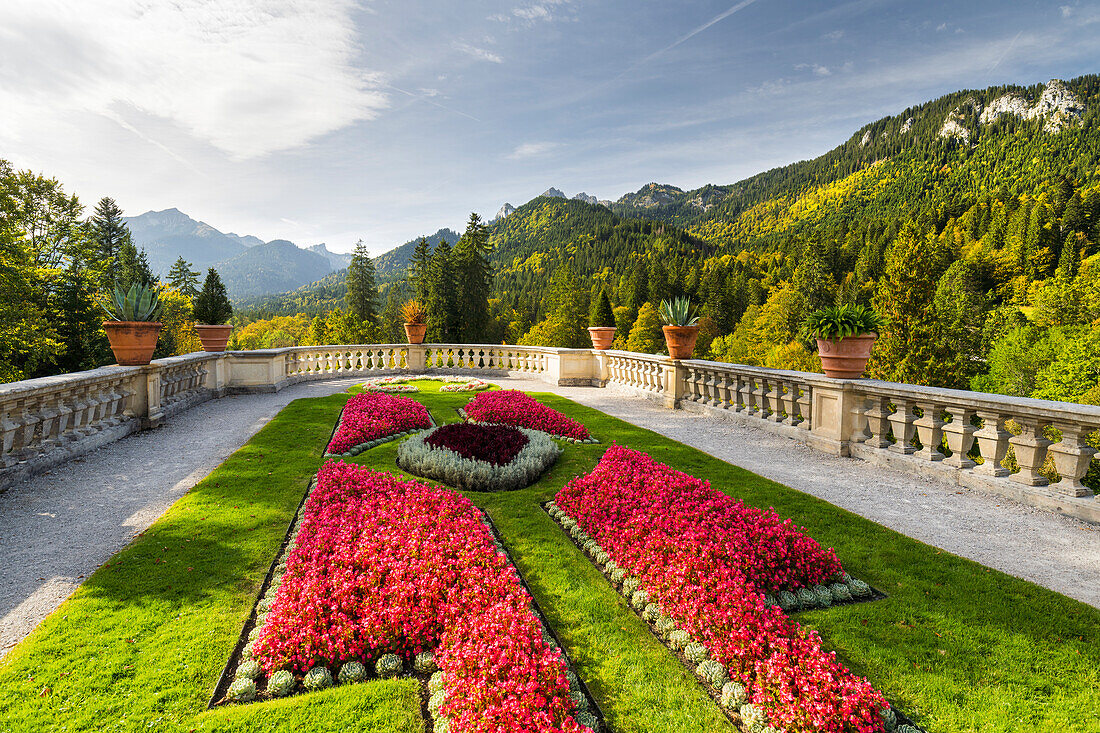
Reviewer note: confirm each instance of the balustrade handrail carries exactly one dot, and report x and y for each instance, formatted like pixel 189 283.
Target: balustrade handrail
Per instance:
pixel 65 381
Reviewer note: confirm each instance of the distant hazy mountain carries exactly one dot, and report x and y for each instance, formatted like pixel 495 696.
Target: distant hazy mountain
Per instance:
pixel 392 264
pixel 338 260
pixel 274 267
pixel 247 265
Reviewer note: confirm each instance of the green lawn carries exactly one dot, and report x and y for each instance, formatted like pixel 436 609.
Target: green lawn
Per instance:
pixel 957 646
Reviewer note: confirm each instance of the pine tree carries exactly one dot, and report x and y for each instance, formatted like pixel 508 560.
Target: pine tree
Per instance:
pixel 441 303
pixel 212 305
pixel 420 268
pixel 475 277
pixel 392 328
pixel 133 267
pixel 362 295
pixel 183 278
pixel 601 315
pixel 110 234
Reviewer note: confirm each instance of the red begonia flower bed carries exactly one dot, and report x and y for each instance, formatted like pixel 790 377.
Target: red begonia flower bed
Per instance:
pixel 371 416
pixel 511 407
pixel 706 560
pixel 387 565
pixel 496 444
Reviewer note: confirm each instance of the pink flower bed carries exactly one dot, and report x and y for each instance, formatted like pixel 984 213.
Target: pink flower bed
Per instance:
pixel 510 407
pixel 707 559
pixel 387 565
pixel 372 415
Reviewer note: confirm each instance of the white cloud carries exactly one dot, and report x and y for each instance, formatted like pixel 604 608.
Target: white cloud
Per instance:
pixel 528 15
pixel 817 69
pixel 531 150
pixel 833 35
pixel 478 53
pixel 1067 11
pixel 246 76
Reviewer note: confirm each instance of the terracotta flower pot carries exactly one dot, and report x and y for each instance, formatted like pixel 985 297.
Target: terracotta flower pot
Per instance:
pixel 680 340
pixel 213 337
pixel 132 342
pixel 415 332
pixel 845 358
pixel 602 336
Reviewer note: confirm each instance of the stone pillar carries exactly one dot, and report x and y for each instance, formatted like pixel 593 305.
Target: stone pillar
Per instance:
pixel 960 437
pixel 833 416
pixel 903 422
pixel 675 382
pixel 992 443
pixel 602 370
pixel 415 356
pixel 930 431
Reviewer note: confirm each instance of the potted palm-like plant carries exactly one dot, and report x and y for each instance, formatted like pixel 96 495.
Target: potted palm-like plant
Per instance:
pixel 680 327
pixel 602 323
pixel 416 321
pixel 132 327
pixel 211 311
pixel 844 335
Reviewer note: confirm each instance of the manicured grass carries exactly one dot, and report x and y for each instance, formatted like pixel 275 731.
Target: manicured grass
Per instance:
pixel 140 646
pixel 957 646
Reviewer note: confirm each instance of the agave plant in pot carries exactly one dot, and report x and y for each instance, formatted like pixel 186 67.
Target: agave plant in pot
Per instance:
pixel 602 323
pixel 416 321
pixel 211 311
pixel 680 327
pixel 844 335
pixel 132 327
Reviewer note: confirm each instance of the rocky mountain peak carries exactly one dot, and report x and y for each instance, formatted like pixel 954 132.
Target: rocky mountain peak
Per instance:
pixel 553 193
pixel 504 211
pixel 582 196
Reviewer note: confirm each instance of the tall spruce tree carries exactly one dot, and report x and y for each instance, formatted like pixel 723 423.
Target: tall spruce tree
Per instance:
pixel 110 233
pixel 420 269
pixel 475 276
pixel 133 267
pixel 362 296
pixel 442 303
pixel 183 278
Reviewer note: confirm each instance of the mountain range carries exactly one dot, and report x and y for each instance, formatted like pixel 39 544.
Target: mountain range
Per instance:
pixel 248 265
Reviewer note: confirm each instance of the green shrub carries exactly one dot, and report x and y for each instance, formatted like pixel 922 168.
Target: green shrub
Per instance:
pixel 212 305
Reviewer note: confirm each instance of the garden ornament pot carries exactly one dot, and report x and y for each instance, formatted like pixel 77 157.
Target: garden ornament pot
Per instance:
pixel 213 337
pixel 602 336
pixel 132 342
pixel 680 340
pixel 845 358
pixel 414 332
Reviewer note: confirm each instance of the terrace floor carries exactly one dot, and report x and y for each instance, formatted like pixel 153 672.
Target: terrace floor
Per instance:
pixel 56 528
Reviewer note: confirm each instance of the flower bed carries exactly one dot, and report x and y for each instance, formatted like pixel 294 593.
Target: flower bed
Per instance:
pixel 371 418
pixel 696 564
pixel 511 407
pixel 385 574
pixel 452 383
pixel 479 457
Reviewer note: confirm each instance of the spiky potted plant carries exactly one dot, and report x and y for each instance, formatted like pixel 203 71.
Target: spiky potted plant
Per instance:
pixel 416 321
pixel 844 335
pixel 212 311
pixel 132 326
pixel 602 323
pixel 680 327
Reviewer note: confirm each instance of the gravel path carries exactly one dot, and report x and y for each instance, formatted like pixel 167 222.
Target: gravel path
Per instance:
pixel 58 527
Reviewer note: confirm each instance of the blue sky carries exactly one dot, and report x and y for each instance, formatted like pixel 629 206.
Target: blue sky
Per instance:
pixel 331 120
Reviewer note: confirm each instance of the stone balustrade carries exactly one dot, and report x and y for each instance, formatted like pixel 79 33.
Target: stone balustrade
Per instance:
pixel 1010 446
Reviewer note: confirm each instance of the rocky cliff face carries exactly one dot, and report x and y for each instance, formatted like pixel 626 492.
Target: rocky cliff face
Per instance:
pixel 650 195
pixel 553 193
pixel 504 211
pixel 1057 105
pixel 582 196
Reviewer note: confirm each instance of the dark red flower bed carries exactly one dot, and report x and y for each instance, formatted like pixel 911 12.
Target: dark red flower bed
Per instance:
pixel 496 444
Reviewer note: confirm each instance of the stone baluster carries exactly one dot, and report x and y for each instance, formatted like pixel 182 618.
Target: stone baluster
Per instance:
pixel 902 421
pixel 748 395
pixel 992 443
pixel 960 437
pixel 725 398
pixel 1031 451
pixel 1072 457
pixel 805 408
pixel 930 431
pixel 878 422
pixel 790 402
pixel 713 398
pixel 763 397
pixel 10 410
pixel 861 433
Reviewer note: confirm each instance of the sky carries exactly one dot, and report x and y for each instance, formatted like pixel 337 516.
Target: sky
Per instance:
pixel 333 121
